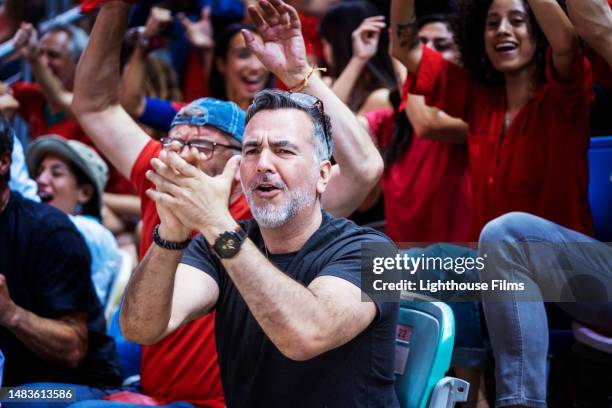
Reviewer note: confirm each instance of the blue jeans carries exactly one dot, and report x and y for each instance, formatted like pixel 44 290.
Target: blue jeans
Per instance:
pixel 553 262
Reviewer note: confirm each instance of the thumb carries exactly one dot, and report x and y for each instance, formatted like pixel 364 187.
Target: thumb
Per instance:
pixel 231 167
pixel 251 42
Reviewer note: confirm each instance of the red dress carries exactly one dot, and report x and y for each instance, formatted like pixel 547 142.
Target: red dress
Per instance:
pixel 427 192
pixel 540 166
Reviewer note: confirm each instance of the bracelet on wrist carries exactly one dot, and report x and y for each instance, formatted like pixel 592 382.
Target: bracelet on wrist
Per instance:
pixel 169 245
pixel 304 83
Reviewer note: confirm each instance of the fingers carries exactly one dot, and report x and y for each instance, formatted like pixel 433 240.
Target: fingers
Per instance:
pixel 164 170
pixel 285 9
pixel 252 43
pixel 179 165
pixel 231 167
pixel 269 12
pixel 162 184
pixel 161 198
pixel 256 18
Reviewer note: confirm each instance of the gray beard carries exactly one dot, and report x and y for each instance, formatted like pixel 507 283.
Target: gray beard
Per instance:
pixel 270 216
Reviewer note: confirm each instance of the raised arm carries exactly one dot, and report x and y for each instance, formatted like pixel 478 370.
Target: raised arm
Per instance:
pixel 96 96
pixel 26 42
pixel 365 44
pixel 593 22
pixel 406 46
pixel 359 164
pixel 560 34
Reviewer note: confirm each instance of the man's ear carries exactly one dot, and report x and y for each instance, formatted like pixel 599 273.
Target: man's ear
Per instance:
pixel 325 174
pixel 86 193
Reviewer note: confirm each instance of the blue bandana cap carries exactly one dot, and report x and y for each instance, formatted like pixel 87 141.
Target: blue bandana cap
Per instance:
pixel 223 115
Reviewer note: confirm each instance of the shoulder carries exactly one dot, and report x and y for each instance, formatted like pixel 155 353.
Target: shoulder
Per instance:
pixel 93 231
pixel 343 236
pixel 44 217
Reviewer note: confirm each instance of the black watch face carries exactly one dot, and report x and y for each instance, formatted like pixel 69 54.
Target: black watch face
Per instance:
pixel 227 245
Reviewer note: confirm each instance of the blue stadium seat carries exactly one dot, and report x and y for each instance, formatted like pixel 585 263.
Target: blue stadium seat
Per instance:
pixel 1 366
pixel 424 346
pixel 600 186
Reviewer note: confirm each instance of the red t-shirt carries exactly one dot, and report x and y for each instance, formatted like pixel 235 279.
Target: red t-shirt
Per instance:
pixel 541 164
pixel 33 109
pixel 427 192
pixel 183 366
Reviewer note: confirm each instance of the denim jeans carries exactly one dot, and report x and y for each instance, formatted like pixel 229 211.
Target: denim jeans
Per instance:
pixel 552 260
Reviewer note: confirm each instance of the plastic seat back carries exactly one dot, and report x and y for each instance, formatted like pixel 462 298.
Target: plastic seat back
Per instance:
pixel 129 353
pixel 600 186
pixel 423 350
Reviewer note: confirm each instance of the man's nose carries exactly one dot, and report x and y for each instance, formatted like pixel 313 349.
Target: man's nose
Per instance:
pixel 265 164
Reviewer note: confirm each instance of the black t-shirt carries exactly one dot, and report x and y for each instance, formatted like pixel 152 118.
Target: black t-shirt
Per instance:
pixel 256 374
pixel 46 265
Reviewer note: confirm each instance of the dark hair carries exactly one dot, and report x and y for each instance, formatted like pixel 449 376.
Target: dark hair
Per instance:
pixel 216 80
pixel 273 99
pixel 6 142
pixel 336 28
pixel 470 29
pixel 90 207
pixel 447 19
pixel 402 135
pixel 6 136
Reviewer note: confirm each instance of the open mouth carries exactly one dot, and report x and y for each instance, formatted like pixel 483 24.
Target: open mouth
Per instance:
pixel 253 83
pixel 45 197
pixel 267 190
pixel 507 46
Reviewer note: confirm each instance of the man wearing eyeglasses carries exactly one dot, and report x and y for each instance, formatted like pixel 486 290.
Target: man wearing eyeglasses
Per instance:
pixel 183 366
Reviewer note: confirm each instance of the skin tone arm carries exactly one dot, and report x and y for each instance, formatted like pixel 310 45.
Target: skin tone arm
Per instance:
pixel 26 41
pixel 365 43
pixel 593 22
pixel 122 203
pixel 313 7
pixel 96 100
pixel 132 94
pixel 359 164
pixel 60 341
pixel 405 42
pixel 560 34
pixel 302 322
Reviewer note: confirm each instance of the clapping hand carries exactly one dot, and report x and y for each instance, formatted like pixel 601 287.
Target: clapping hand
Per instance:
pixel 366 37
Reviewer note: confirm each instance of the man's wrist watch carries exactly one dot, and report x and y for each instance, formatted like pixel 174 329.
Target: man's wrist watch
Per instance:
pixel 228 244
pixel 169 245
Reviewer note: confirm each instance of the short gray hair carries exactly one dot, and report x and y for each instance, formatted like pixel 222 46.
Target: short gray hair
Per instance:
pixel 78 38
pixel 273 99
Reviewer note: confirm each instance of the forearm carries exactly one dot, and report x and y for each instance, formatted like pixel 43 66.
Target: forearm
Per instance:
pixel 405 44
pixel 356 155
pixel 288 312
pixel 147 305
pixel 56 341
pixel 593 22
pixel 51 86
pixel 132 88
pixel 123 203
pixel 432 123
pixel 344 84
pixel 556 26
pixel 98 70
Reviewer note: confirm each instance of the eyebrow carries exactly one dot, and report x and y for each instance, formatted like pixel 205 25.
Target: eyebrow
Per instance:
pixel 280 143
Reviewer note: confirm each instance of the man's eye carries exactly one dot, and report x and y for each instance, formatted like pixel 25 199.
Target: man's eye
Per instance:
pixel 285 151
pixel 249 152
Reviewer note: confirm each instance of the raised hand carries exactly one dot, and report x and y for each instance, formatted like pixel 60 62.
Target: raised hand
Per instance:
pixel 366 36
pixel 282 51
pixel 199 33
pixel 158 19
pixel 26 41
pixel 198 201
